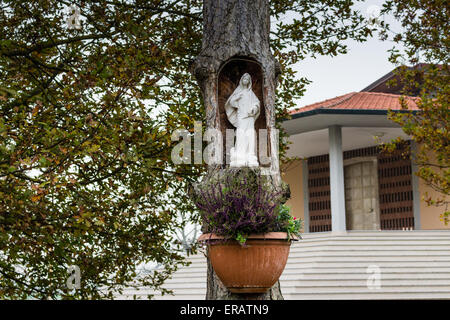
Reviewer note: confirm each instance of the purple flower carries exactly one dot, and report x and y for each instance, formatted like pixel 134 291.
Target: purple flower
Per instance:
pixel 240 202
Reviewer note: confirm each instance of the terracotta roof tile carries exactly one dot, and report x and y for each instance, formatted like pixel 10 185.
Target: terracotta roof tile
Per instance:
pixel 361 101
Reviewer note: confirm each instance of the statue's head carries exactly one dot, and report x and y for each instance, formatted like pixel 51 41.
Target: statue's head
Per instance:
pixel 246 80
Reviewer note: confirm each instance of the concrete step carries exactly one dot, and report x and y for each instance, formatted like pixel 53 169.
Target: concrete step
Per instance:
pixel 339 267
pixel 293 271
pixel 380 234
pixel 381 238
pixel 364 253
pixel 331 279
pixel 318 283
pixel 344 290
pixel 435 295
pixel 194 295
pixel 345 252
pixel 365 264
pixel 366 239
pixel 374 240
pixel 190 270
pixel 331 283
pixel 182 297
pixel 404 258
pixel 185 285
pixel 318 276
pixel 366 247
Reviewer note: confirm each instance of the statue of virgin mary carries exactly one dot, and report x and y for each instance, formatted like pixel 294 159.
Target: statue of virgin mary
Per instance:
pixel 242 109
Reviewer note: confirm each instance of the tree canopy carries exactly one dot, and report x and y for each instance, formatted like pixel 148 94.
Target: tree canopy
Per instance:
pixel 90 92
pixel 425 43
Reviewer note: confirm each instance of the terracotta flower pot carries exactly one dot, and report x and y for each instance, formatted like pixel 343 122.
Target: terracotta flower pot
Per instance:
pixel 253 268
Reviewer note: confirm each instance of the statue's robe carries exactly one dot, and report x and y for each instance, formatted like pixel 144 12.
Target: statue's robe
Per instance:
pixel 242 109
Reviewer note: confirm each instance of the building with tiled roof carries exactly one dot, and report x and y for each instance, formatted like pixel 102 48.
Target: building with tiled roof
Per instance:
pixel 370 101
pixel 347 183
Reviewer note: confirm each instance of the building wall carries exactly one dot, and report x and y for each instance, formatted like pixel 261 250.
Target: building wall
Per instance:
pixel 292 175
pixel 430 215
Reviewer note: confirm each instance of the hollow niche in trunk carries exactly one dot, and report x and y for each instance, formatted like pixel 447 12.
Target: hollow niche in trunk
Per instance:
pixel 229 75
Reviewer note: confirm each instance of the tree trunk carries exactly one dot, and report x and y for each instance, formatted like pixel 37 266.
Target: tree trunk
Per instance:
pixel 237 31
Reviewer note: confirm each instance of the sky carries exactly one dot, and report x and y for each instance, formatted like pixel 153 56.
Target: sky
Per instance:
pixel 334 76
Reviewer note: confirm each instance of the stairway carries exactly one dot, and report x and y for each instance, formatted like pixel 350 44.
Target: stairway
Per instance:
pixel 351 265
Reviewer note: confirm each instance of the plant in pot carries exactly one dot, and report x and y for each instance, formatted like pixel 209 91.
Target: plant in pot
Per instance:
pixel 247 227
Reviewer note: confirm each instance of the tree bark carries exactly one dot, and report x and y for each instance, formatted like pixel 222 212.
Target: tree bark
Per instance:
pixel 237 29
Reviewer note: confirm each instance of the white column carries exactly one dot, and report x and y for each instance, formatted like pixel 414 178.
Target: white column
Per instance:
pixel 305 196
pixel 337 189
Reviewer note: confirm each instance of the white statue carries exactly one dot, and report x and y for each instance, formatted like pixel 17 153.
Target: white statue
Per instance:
pixel 242 109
